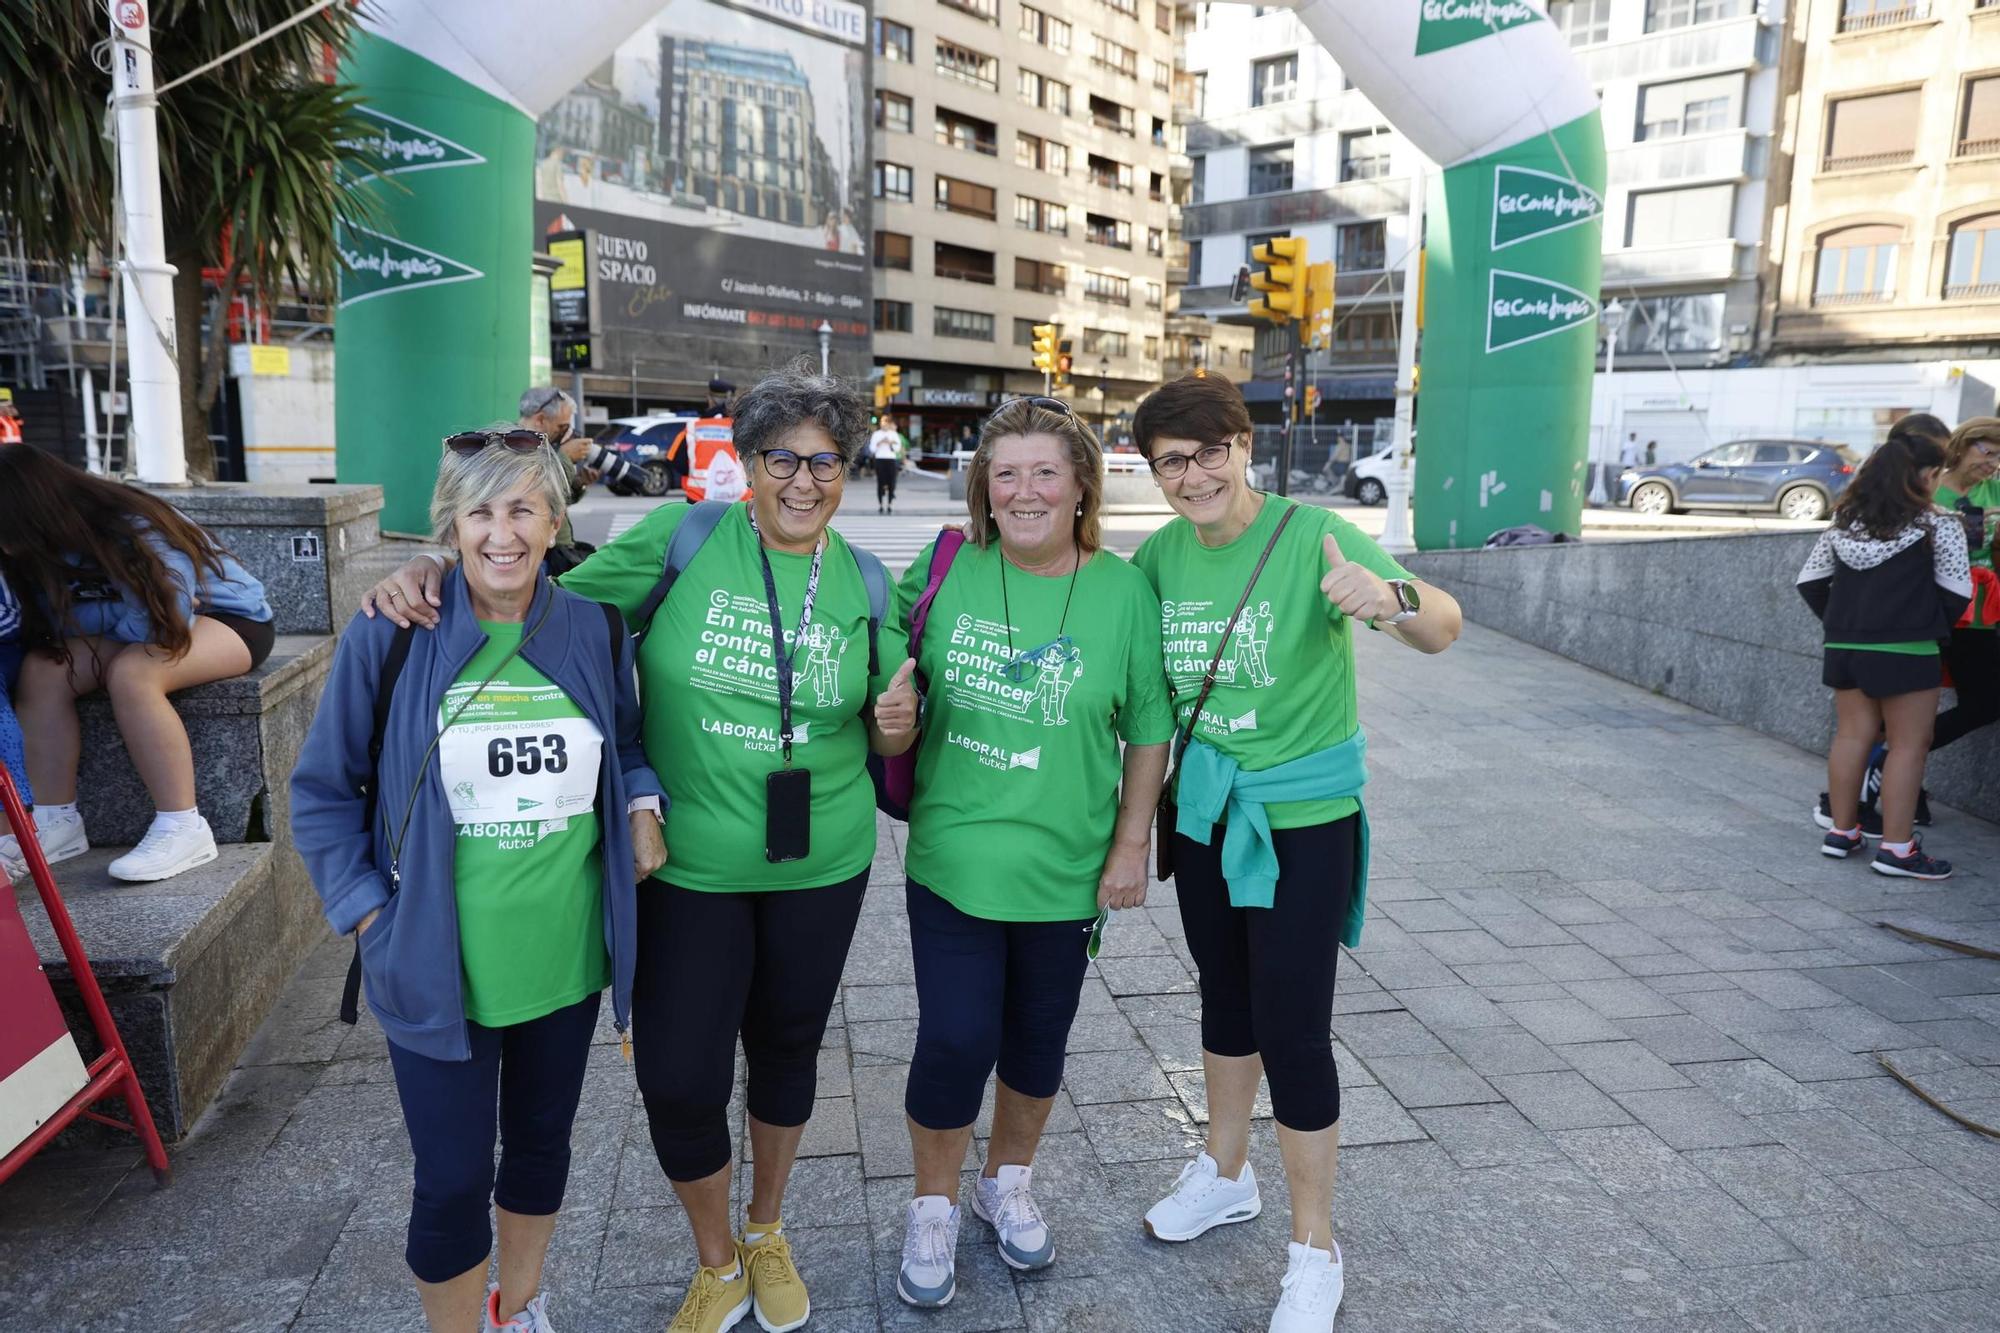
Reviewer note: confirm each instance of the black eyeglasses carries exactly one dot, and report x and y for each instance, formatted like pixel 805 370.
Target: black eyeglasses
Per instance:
pixel 1210 457
pixel 783 464
pixel 520 439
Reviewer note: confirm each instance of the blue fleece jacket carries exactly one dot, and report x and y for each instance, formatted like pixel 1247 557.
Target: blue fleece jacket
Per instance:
pixel 110 609
pixel 410 956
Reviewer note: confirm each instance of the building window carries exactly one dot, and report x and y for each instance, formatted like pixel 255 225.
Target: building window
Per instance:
pixel 989 10
pixel 1046 93
pixel 892 182
pixel 1034 275
pixel 1664 14
pixel 1163 18
pixel 1364 155
pixel 1361 247
pixel 1974 267
pixel 1041 154
pixel 949 323
pixel 1109 115
pixel 892 111
pixel 1152 349
pixel 1679 217
pixel 1194 263
pixel 1584 22
pixel 965 64
pixel 962 263
pixel 1197 177
pixel 1155 295
pixel 1365 333
pixel 1103 342
pixel 892 41
pixel 967 133
pixel 1275 80
pixel 1857 266
pixel 1163 75
pixel 892 316
pixel 1156 242
pixel 1040 215
pixel 1102 230
pixel 892 250
pixel 1690 106
pixel 1106 288
pixel 1877 130
pixel 1117 58
pixel 1044 29
pixel 1109 173
pixel 957 196
pixel 1672 324
pixel 1979 123
pixel 1129 8
pixel 1271 168
pixel 1024 333
pixel 1861 15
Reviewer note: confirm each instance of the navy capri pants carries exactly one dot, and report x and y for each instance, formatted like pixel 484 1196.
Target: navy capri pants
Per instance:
pixel 988 992
pixel 522 1082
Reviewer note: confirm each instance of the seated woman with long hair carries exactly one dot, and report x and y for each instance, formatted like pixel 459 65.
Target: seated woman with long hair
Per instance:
pixel 120 592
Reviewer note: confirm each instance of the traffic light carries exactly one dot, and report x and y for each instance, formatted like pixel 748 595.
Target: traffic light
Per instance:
pixel 1312 399
pixel 1282 280
pixel 1319 304
pixel 890 385
pixel 1045 348
pixel 1063 362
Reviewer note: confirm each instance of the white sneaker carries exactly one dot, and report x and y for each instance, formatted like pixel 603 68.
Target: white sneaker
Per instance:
pixel 1309 1293
pixel 60 838
pixel 164 853
pixel 1203 1198
pixel 929 1277
pixel 1005 1202
pixel 534 1319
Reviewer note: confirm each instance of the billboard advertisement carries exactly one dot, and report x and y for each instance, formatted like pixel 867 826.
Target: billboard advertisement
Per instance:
pixel 718 161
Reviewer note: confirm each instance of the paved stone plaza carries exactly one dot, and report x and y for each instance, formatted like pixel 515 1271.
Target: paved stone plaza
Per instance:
pixel 1609 1049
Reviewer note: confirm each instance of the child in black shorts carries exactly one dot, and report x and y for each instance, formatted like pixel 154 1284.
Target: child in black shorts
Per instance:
pixel 1888 579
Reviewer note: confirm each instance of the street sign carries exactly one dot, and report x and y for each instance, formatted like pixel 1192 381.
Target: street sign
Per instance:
pixel 572 288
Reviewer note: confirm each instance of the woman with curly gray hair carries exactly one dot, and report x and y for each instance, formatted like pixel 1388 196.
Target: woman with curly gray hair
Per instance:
pixel 766 677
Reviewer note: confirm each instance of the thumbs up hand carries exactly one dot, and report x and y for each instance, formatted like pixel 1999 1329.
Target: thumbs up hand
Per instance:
pixel 896 707
pixel 1355 589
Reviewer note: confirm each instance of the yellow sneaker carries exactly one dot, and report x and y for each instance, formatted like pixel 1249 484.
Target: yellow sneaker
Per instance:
pixel 714 1302
pixel 776 1289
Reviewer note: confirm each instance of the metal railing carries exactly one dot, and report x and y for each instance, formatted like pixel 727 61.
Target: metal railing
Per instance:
pixel 1868 161
pixel 1729 44
pixel 1868 20
pixel 1835 300
pixel 1720 156
pixel 1971 291
pixel 1978 147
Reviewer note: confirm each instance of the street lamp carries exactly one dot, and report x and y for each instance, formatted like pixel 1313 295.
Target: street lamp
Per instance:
pixel 1612 317
pixel 825 344
pixel 1103 374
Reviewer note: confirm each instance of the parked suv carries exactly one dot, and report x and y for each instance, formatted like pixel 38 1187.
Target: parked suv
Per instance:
pixel 1798 479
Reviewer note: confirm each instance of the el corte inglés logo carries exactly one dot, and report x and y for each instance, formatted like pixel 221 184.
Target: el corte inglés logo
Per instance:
pixel 392 147
pixel 1447 23
pixel 1521 308
pixel 374 264
pixel 1529 203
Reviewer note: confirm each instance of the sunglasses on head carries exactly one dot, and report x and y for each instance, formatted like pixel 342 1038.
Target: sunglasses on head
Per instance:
pixel 520 439
pixel 1052 404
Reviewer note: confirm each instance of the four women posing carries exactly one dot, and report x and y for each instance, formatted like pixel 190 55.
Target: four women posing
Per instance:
pixel 1055 677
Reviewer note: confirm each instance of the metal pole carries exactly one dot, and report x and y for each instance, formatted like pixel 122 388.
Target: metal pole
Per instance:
pixel 825 345
pixel 635 386
pixel 576 396
pixel 1396 523
pixel 156 449
pixel 1598 495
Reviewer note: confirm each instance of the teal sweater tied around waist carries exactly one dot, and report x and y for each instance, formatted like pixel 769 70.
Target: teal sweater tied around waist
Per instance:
pixel 1211 783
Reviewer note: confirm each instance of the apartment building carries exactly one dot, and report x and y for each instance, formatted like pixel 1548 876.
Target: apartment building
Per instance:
pixel 1888 246
pixel 1020 178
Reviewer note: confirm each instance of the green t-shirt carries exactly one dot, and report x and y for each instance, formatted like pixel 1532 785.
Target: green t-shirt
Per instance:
pixel 1285 688
pixel 1018 778
pixel 709 688
pixel 520 765
pixel 1913 648
pixel 1985 606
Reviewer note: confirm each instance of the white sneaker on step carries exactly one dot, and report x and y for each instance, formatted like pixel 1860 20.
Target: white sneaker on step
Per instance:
pixel 1204 1198
pixel 167 851
pixel 61 839
pixel 1309 1293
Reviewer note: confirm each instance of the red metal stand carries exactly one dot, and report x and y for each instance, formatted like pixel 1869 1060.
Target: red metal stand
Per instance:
pixel 110 1073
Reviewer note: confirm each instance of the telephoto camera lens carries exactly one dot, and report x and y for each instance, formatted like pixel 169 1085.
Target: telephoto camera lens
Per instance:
pixel 620 477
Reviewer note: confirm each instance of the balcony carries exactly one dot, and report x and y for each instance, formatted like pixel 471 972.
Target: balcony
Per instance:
pixel 1869 161
pixel 1263 124
pixel 1972 291
pixel 1844 300
pixel 1708 47
pixel 1913 12
pixel 1698 261
pixel 1355 201
pixel 1715 157
pixel 1978 147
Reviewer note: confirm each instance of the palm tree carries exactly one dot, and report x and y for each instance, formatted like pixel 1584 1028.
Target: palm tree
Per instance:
pixel 251 155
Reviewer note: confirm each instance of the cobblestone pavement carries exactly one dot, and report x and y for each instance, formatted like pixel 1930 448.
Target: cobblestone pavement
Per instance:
pixel 1610 1051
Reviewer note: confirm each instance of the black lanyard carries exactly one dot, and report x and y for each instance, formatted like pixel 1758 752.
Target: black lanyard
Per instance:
pixel 783 658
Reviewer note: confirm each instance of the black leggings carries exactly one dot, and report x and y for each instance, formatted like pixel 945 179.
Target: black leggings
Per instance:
pixel 1974 658
pixel 885 479
pixel 1267 972
pixel 715 965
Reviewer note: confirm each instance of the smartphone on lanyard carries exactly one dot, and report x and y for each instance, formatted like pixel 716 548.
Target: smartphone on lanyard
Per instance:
pixel 787 815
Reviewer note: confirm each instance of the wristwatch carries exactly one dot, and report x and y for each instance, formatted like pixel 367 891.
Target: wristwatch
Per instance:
pixel 1407 604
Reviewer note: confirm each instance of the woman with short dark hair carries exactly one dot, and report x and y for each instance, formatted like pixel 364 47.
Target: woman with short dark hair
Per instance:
pixel 1258 602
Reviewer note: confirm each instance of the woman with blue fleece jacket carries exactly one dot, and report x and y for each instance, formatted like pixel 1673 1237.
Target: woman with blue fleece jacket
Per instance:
pixel 118 592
